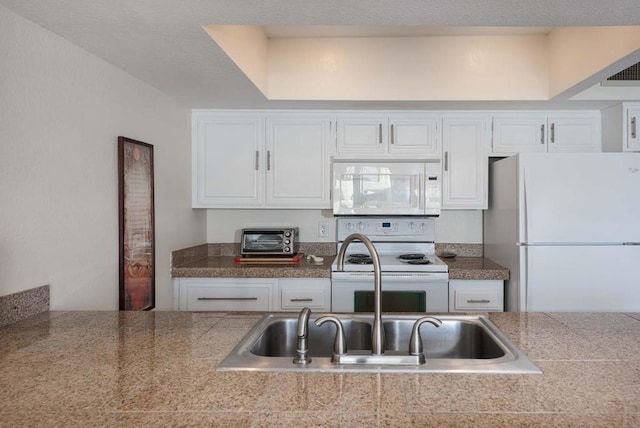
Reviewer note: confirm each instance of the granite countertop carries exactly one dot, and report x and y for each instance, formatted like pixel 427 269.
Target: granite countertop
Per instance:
pixel 477 268
pixel 131 369
pixel 227 267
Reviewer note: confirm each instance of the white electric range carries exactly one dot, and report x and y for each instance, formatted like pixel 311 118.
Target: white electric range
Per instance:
pixel 414 279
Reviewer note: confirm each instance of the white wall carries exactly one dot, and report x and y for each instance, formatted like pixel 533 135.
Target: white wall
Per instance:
pixel 61 111
pixel 456 226
pixel 409 68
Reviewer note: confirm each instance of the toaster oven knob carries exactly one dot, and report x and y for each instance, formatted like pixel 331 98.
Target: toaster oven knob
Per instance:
pixel 287 241
pixel 287 234
pixel 287 249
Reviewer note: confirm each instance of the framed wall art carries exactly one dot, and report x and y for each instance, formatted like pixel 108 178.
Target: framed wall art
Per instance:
pixel 136 217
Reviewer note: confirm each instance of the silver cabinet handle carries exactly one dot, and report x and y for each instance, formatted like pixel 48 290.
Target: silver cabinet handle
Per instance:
pixel 268 160
pixel 393 138
pixel 633 127
pixel 379 133
pixel 257 160
pixel 542 134
pixel 553 132
pixel 478 301
pixel 305 299
pixel 446 161
pixel 227 298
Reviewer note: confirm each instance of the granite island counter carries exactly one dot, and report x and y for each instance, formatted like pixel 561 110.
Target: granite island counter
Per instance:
pixel 158 369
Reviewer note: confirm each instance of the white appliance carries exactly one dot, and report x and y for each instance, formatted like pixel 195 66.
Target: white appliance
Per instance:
pixel 568 228
pixel 387 188
pixel 413 278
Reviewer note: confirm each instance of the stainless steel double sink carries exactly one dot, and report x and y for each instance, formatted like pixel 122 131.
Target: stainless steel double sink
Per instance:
pixel 462 344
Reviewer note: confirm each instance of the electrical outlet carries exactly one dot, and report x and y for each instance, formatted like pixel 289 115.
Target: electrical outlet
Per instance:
pixel 323 229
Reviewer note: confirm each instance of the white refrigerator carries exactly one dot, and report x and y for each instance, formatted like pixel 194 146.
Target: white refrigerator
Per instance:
pixel 567 226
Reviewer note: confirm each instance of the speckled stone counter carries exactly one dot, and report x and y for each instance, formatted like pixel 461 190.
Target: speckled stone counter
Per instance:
pixel 132 369
pixel 477 268
pixel 227 267
pixel 200 264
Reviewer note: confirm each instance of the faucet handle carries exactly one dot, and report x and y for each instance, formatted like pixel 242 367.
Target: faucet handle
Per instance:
pixel 415 343
pixel 339 343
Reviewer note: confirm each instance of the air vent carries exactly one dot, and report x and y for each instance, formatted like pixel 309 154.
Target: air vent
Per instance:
pixel 628 74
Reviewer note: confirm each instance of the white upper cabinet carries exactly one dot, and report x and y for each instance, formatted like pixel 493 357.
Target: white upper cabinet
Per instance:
pixel 621 128
pixel 362 134
pixel 388 135
pixel 521 132
pixel 631 128
pixel 257 160
pixel 464 178
pixel 228 160
pixel 298 161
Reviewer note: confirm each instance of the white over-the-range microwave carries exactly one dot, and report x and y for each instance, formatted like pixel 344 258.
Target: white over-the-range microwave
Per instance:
pixel 387 187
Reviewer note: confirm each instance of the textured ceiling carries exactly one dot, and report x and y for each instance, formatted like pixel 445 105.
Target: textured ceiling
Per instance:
pixel 161 41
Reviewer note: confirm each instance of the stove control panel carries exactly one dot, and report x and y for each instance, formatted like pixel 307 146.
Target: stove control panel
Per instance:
pixel 388 228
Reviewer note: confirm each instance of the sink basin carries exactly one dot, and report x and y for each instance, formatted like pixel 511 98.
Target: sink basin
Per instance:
pixel 279 338
pixel 463 344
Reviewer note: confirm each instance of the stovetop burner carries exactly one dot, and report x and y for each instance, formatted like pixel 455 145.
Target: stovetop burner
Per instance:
pixel 358 256
pixel 360 260
pixel 412 256
pixel 418 261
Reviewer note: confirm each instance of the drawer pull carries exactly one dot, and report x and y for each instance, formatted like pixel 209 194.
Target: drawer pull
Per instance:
pixel 305 299
pixel 227 298
pixel 478 301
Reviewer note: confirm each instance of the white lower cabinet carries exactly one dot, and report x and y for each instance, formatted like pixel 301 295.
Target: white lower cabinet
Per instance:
pixel 224 294
pixel 297 293
pixel 476 295
pixel 251 294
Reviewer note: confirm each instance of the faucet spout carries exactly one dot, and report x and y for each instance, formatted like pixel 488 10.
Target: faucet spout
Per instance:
pixel 377 334
pixel 302 350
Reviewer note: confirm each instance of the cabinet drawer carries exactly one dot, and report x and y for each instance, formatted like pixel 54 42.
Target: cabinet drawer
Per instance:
pixel 477 300
pixel 298 299
pixel 296 293
pixel 252 298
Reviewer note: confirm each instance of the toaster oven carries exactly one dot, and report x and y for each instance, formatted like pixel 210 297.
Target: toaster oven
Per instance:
pixel 269 241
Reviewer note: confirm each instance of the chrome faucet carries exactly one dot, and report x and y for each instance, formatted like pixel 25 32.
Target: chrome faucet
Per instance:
pixel 302 350
pixel 377 334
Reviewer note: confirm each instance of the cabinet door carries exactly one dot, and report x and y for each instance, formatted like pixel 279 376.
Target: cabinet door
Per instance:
pixel 228 160
pixel 414 135
pixel 297 161
pixel 632 133
pixel 519 133
pixel 465 162
pixel 362 134
pixel 574 133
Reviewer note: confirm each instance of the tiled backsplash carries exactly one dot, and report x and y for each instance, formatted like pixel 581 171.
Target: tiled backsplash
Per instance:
pixel 24 304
